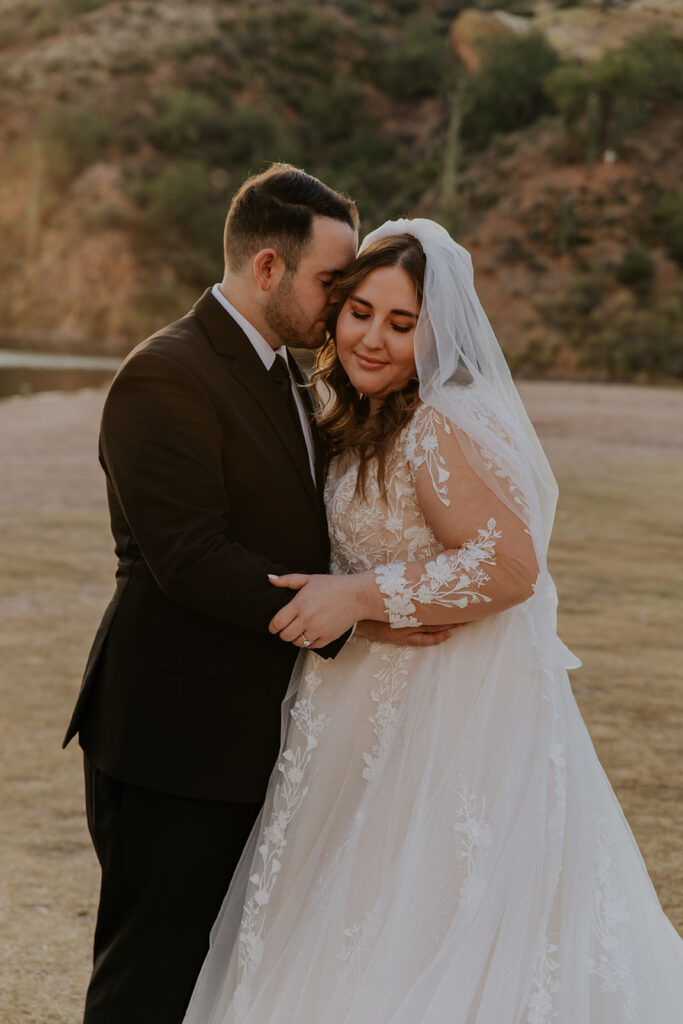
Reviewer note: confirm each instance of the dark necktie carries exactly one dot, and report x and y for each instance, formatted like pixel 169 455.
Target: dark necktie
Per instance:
pixel 279 374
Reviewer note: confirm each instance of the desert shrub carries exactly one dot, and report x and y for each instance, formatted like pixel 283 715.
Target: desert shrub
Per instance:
pixel 72 138
pixel 536 357
pixel 252 135
pixel 508 92
pixel 636 270
pixel 15 24
pixel 51 17
pixel 414 66
pixel 641 341
pixel 177 202
pixel 622 89
pixel 632 83
pixel 669 222
pixel 315 30
pixel 569 87
pixel 130 62
pixel 641 337
pixel 239 139
pixel 576 310
pixel 71 8
pixel 332 112
pixel 647 70
pixel 292 39
pixel 186 120
pixel 365 165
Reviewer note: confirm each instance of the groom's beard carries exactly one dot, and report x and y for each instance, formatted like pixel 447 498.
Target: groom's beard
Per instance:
pixel 285 316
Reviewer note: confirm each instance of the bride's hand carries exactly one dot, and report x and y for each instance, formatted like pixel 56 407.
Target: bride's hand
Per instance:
pixel 323 609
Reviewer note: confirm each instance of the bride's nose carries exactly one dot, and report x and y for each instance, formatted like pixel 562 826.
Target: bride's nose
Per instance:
pixel 373 335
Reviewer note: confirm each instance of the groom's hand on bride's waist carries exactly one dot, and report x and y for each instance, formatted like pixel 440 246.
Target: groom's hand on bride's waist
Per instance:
pixel 413 636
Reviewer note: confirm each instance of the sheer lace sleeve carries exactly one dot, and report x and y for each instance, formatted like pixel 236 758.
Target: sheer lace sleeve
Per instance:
pixel 488 563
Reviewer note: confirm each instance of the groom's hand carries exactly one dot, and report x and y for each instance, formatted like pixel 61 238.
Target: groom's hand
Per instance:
pixel 413 636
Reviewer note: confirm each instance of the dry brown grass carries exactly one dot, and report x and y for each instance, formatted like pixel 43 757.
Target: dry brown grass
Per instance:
pixel 616 556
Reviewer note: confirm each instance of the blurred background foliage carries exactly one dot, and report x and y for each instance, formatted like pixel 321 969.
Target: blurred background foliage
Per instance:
pixel 129 125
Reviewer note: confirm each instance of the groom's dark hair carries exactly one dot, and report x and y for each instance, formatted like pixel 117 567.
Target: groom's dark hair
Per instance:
pixel 276 209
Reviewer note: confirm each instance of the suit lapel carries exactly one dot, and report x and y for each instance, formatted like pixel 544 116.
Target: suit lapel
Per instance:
pixel 228 339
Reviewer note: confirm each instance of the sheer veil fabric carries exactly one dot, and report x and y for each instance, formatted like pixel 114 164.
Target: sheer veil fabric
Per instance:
pixel 438 843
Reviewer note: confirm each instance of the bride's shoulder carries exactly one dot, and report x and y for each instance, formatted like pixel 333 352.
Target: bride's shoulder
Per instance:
pixel 423 433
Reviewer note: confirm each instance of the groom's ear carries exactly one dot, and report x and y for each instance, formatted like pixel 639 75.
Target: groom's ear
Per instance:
pixel 268 269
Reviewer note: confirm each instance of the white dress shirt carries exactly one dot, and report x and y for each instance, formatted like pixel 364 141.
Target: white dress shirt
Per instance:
pixel 267 354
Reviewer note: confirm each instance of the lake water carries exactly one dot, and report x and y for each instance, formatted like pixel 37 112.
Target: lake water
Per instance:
pixel 25 373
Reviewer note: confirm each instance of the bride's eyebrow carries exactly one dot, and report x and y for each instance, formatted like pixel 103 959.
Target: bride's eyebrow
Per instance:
pixel 393 312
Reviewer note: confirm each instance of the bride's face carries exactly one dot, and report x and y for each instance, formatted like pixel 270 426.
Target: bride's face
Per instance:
pixel 375 331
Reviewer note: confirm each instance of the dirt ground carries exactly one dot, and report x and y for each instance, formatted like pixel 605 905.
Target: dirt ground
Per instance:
pixel 616 556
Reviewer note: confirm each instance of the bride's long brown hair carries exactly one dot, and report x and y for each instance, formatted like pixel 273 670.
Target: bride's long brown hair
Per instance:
pixel 345 421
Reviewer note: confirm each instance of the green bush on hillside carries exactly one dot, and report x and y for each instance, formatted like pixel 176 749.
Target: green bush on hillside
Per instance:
pixel 186 120
pixel 290 40
pixel 569 87
pixel 253 135
pixel 72 137
pixel 414 66
pixel 646 71
pixel 572 312
pixel 329 113
pixel 183 220
pixel 508 92
pixel 636 270
pixel 669 220
pixel 52 16
pixel 642 341
pixel 623 88
pixel 641 337
pixel 176 200
pixel 193 126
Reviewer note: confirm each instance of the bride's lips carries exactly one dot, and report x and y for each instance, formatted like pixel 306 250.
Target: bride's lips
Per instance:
pixel 369 364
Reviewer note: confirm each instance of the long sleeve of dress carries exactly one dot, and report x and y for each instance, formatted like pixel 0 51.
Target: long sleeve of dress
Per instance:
pixel 488 562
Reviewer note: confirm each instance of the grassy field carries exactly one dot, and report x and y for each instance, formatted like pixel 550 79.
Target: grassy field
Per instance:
pixel 616 556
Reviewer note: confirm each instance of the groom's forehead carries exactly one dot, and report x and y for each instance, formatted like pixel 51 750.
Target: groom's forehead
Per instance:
pixel 333 244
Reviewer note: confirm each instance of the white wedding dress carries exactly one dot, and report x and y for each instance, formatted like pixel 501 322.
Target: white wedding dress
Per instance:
pixel 439 844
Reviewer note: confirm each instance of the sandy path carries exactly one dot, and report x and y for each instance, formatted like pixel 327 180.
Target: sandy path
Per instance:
pixel 616 555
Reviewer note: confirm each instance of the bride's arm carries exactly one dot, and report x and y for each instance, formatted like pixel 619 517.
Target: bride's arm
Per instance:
pixel 488 563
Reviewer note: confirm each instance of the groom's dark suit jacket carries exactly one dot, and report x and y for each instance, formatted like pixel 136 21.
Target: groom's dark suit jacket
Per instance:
pixel 209 490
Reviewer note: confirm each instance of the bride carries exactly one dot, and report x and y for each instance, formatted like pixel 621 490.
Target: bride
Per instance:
pixel 438 842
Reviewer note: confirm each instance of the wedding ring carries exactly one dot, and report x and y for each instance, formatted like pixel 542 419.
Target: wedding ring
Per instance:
pixel 307 643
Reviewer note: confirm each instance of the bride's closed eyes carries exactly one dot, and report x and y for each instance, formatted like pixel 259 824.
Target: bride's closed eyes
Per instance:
pixel 366 316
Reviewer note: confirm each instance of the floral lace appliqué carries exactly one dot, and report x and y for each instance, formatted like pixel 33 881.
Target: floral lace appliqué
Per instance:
pixel 544 985
pixel 613 966
pixel 422 448
pixel 453 581
pixel 289 796
pixel 392 679
pixel 474 839
pixel 358 941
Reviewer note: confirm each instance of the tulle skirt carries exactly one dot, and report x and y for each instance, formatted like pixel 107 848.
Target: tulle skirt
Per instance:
pixel 439 845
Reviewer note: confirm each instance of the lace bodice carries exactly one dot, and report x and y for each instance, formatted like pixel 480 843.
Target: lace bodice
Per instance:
pixel 371 530
pixel 439 537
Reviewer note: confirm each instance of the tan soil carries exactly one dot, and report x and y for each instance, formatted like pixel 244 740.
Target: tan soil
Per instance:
pixel 616 556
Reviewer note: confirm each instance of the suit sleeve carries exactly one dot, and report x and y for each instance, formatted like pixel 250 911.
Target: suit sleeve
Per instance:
pixel 161 445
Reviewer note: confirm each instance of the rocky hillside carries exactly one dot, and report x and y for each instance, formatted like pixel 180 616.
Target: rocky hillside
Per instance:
pixel 548 137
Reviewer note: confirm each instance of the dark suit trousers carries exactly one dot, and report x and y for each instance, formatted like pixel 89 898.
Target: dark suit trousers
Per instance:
pixel 166 866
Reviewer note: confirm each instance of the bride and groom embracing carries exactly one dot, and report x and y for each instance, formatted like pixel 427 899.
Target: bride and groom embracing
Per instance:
pixel 313 799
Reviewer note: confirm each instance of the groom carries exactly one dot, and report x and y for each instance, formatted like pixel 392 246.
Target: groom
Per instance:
pixel 214 480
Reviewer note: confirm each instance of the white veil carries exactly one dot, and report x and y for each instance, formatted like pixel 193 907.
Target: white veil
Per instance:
pixel 463 374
